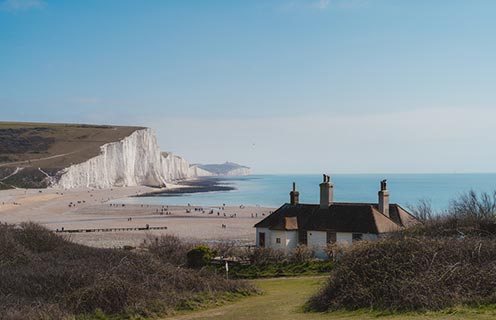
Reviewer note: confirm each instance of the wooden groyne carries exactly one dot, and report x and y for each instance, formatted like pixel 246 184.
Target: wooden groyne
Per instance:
pixel 109 229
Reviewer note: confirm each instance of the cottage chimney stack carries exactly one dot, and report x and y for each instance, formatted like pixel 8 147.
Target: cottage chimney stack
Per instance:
pixel 326 192
pixel 384 199
pixel 294 196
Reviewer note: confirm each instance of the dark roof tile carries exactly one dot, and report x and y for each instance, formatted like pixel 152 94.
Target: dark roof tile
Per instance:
pixel 339 217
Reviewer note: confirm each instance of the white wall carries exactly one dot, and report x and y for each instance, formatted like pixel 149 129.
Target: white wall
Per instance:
pixel 274 234
pixel 344 238
pixel 317 241
pixel 370 236
pixel 291 239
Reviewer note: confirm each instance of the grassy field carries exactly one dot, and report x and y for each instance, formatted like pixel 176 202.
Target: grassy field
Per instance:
pixel 55 145
pixel 283 298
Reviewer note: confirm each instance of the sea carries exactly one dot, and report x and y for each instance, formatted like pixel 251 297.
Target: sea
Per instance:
pixel 273 190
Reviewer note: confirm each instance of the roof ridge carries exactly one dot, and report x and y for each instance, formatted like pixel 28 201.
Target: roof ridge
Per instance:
pixel 387 217
pixel 340 203
pixel 407 212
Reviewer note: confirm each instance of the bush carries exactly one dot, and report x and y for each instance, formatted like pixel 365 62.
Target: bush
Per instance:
pixel 334 251
pixel 199 256
pixel 169 248
pixel 264 256
pixel 282 269
pixel 43 276
pixel 471 215
pixel 301 253
pixel 227 249
pixel 411 274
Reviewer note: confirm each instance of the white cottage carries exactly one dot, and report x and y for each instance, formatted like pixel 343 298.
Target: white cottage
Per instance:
pixel 316 225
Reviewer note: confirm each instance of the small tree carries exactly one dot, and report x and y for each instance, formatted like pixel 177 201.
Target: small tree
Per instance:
pixel 199 256
pixel 422 210
pixel 473 206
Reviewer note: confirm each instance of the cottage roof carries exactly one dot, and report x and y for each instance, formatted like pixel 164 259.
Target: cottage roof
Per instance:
pixel 338 217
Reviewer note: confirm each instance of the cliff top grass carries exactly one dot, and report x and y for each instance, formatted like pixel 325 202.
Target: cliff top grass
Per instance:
pixel 49 145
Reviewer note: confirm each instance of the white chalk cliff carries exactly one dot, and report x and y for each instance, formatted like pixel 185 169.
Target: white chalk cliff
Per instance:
pixel 196 171
pixel 133 161
pixel 223 169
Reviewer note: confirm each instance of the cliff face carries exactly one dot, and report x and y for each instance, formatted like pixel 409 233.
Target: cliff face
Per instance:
pixel 224 169
pixel 239 172
pixel 175 167
pixel 196 171
pixel 40 155
pixel 133 161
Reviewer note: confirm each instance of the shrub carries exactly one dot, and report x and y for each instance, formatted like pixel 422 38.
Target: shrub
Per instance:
pixel 43 276
pixel 227 249
pixel 422 210
pixel 282 269
pixel 199 256
pixel 35 238
pixel 263 256
pixel 169 248
pixel 334 251
pixel 411 274
pixel 301 253
pixel 471 215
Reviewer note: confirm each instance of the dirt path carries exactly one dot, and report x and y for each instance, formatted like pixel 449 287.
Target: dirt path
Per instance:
pixel 282 299
pixel 36 160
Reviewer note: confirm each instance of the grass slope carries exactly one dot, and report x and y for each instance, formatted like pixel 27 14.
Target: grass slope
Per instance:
pixel 50 147
pixel 283 299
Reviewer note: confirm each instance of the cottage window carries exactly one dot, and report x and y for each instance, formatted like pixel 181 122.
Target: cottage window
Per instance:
pixel 357 237
pixel 302 237
pixel 278 240
pixel 331 237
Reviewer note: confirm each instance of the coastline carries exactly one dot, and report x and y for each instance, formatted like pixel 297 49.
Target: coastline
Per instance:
pixel 86 209
pixel 188 186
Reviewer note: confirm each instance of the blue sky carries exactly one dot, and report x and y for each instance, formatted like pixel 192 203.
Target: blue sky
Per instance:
pixel 286 86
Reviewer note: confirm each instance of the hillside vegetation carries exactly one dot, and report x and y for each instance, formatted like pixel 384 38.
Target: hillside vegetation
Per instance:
pixel 43 276
pixel 51 147
pixel 448 261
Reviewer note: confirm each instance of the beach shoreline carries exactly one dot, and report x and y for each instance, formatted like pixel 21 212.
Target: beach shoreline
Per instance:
pixel 86 209
pixel 188 186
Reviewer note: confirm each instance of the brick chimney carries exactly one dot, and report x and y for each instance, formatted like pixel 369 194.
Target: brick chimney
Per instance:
pixel 326 192
pixel 384 199
pixel 294 196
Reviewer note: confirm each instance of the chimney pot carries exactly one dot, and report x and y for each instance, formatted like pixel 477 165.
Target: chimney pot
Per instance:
pixel 384 199
pixel 326 192
pixel 294 196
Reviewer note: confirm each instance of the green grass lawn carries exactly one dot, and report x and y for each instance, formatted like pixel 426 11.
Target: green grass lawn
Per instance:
pixel 283 298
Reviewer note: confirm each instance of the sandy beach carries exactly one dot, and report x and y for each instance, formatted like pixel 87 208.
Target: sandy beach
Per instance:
pixel 100 209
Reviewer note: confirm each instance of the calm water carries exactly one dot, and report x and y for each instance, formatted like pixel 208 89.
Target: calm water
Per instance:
pixel 273 190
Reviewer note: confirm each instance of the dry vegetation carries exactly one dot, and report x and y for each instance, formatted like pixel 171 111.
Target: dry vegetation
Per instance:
pixel 448 261
pixel 43 276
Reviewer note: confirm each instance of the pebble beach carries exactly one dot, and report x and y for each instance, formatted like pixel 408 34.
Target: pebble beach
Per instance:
pixel 83 211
